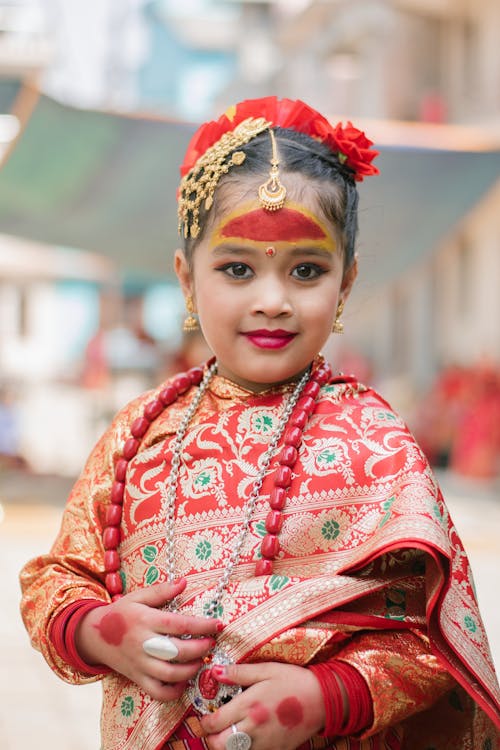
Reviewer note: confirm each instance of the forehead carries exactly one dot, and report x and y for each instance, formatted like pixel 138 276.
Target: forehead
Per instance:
pixel 236 196
pixel 291 223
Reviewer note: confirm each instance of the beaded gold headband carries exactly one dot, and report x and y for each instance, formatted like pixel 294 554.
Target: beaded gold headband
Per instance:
pixel 199 183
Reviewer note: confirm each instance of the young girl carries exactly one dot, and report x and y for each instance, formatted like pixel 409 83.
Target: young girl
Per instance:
pixel 257 554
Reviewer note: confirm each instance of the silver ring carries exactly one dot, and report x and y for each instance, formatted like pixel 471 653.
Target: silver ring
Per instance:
pixel 238 740
pixel 161 647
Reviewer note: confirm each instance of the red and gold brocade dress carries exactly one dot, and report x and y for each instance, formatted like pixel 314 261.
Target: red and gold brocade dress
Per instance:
pixel 371 569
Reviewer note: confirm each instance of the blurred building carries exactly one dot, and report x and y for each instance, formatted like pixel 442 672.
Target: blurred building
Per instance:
pixel 191 58
pixel 431 60
pixel 434 65
pixel 25 51
pixel 48 294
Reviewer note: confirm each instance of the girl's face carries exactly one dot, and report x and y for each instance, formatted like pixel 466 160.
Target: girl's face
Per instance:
pixel 266 285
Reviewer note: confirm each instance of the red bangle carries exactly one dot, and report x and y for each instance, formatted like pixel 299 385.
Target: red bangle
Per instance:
pixel 62 635
pixel 332 698
pixel 360 702
pixel 330 676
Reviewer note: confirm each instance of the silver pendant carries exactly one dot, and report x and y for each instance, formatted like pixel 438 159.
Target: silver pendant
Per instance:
pixel 207 694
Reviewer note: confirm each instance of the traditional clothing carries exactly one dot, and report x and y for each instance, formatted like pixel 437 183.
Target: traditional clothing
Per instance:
pixel 371 570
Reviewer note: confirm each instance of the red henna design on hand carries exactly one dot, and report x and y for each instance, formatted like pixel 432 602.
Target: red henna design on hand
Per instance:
pixel 290 712
pixel 258 713
pixel 112 628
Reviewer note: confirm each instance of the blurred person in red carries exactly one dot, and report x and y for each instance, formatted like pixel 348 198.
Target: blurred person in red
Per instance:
pixel 440 414
pixel 10 451
pixel 458 422
pixel 475 451
pixel 96 373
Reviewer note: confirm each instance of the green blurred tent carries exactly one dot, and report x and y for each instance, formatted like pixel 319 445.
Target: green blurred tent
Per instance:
pixel 107 183
pixel 9 89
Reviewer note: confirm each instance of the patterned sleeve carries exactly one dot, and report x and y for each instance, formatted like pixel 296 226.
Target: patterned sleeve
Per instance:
pixel 74 569
pixel 402 674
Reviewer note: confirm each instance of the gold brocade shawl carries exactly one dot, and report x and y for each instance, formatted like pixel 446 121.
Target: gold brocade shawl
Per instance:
pixel 366 545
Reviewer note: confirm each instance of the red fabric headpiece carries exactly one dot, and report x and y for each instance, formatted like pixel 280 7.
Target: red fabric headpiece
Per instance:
pixel 351 145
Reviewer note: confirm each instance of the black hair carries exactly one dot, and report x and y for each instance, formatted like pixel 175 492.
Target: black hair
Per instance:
pixel 332 181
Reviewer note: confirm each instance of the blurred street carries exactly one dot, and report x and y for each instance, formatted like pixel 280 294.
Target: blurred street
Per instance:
pixel 38 710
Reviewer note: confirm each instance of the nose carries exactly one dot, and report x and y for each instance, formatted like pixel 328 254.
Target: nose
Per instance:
pixel 272 298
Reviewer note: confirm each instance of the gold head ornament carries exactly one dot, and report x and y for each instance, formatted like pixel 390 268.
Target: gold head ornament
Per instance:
pixel 272 193
pixel 199 184
pixel 213 150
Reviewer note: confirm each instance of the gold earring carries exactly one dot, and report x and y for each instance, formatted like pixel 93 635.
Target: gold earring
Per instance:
pixel 190 322
pixel 338 326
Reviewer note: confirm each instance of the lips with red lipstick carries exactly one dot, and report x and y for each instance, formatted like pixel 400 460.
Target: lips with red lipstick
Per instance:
pixel 266 339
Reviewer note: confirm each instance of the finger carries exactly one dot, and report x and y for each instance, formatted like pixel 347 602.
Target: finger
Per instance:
pixel 162 691
pixel 159 594
pixel 216 722
pixel 240 674
pixel 217 726
pixel 167 672
pixel 172 623
pixel 193 649
pixel 219 739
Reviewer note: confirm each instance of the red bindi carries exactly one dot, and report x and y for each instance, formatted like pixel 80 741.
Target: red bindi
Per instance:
pixel 112 628
pixel 258 713
pixel 270 251
pixel 286 224
pixel 290 712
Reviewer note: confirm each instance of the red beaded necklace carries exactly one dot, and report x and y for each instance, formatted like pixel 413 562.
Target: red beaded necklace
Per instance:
pixel 287 458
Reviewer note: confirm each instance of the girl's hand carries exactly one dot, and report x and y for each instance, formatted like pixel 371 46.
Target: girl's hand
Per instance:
pixel 281 708
pixel 113 635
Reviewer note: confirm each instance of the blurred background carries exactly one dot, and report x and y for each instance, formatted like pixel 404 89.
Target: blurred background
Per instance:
pixel 98 99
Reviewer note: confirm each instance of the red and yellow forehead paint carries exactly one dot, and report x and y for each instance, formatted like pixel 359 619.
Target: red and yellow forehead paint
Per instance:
pixel 292 224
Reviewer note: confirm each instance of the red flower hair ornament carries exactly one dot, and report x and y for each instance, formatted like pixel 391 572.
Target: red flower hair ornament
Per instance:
pixel 350 144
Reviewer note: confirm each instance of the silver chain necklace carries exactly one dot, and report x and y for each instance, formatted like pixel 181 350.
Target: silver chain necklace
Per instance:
pixel 173 479
pixel 204 694
pixel 249 507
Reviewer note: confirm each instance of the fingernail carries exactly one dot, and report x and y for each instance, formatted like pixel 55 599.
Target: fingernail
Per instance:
pixel 220 627
pixel 219 671
pixel 178 581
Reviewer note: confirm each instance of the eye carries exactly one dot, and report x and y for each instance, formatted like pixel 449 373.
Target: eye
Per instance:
pixel 306 271
pixel 236 270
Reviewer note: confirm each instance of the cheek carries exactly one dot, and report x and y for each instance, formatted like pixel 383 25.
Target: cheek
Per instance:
pixel 112 628
pixel 318 314
pixel 320 300
pixel 219 307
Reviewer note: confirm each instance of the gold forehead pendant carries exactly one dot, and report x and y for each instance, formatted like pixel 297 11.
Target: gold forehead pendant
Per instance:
pixel 272 193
